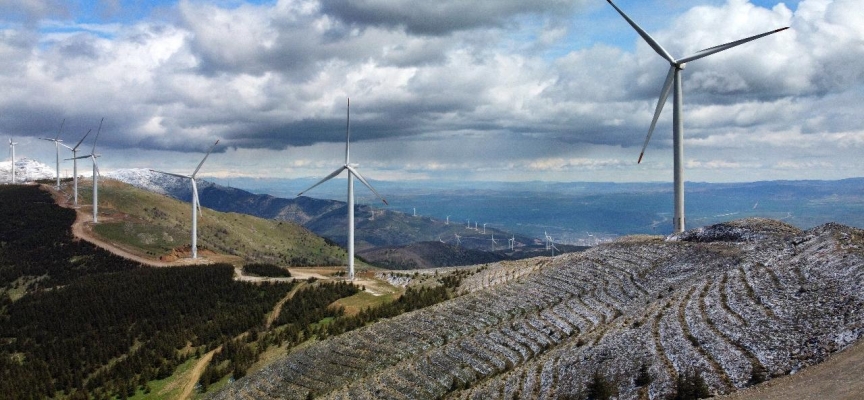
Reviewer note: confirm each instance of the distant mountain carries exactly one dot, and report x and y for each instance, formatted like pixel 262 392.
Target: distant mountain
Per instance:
pixel 326 218
pixel 26 170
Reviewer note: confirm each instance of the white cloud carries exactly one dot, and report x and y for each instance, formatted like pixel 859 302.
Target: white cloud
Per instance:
pixel 480 94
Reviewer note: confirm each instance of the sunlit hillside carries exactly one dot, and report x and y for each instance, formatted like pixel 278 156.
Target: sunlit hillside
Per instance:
pixel 157 226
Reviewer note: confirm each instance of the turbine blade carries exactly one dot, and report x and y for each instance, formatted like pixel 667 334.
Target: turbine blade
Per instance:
pixel 78 158
pixel 61 129
pixel 97 136
pixel 716 49
pixel 97 167
pixel 651 42
pixel 195 196
pixel 166 173
pixel 82 139
pixel 337 172
pixel 360 177
pixel 347 131
pixel 664 94
pixel 205 159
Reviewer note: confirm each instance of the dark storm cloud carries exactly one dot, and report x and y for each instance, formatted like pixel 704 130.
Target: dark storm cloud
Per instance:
pixel 439 18
pixel 30 11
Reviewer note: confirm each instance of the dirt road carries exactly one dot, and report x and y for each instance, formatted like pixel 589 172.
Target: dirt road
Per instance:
pixel 195 373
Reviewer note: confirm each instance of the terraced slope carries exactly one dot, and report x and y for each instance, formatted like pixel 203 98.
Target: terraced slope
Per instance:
pixel 738 303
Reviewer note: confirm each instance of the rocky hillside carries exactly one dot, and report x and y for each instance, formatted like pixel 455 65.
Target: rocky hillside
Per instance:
pixel 719 308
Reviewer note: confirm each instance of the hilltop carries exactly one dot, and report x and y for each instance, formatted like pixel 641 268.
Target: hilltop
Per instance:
pixel 715 309
pixel 158 227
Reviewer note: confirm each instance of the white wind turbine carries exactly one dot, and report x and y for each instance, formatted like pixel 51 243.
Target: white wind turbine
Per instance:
pixel 12 153
pixel 352 173
pixel 674 78
pixel 92 156
pixel 458 239
pixel 494 242
pixel 196 205
pixel 75 164
pixel 484 227
pixel 57 143
pixel 512 242
pixel 448 221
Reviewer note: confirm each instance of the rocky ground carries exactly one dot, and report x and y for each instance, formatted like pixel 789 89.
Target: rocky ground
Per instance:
pixel 739 303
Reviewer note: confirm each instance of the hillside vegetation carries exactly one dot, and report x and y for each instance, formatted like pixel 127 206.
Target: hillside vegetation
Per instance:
pixel 78 321
pixel 717 309
pixel 159 226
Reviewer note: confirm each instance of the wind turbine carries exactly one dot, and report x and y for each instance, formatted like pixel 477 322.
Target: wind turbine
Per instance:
pixel 512 242
pixel 484 228
pixel 57 143
pixel 352 172
pixel 75 163
pixel 458 239
pixel 494 242
pixel 196 205
pixel 674 78
pixel 415 211
pixel 448 221
pixel 92 156
pixel 12 153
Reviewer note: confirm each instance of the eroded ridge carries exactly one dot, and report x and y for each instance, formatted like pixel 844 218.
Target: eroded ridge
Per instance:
pixel 739 303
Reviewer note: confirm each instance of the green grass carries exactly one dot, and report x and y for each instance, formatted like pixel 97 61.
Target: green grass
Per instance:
pixel 353 304
pixel 168 388
pixel 151 239
pixel 154 224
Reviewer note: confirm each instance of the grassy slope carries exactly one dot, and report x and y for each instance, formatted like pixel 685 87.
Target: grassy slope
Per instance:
pixel 154 225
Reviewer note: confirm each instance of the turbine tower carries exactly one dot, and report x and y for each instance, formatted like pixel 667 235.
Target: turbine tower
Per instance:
pixel 674 78
pixel 352 173
pixel 12 153
pixel 57 143
pixel 448 221
pixel 92 156
pixel 196 205
pixel 75 164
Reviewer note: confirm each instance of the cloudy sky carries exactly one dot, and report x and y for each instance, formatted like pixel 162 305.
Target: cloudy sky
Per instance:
pixel 558 90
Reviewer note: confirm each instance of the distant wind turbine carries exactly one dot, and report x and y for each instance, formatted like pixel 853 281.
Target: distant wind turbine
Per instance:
pixel 196 205
pixel 92 156
pixel 75 164
pixel 484 228
pixel 494 242
pixel 415 211
pixel 12 154
pixel 674 78
pixel 458 239
pixel 352 173
pixel 512 242
pixel 448 221
pixel 57 143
